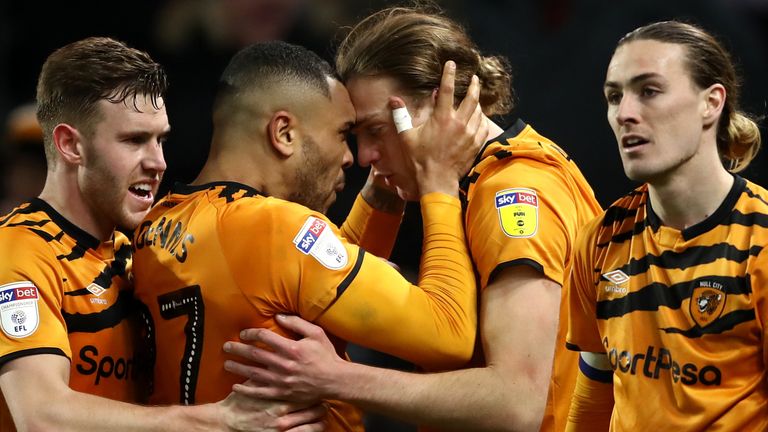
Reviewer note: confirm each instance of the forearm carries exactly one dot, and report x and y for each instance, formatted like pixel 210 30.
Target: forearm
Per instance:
pixel 68 410
pixel 374 220
pixel 432 324
pixel 592 401
pixel 445 261
pixel 478 399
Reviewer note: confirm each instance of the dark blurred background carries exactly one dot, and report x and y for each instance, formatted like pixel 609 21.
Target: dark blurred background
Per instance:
pixel 559 50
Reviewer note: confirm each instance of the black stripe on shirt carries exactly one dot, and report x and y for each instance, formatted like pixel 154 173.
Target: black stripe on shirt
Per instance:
pixel 656 295
pixel 515 262
pixel 97 321
pixel 617 214
pixel 720 325
pixel 351 276
pixel 690 257
pixel 30 352
pixel 116 268
pixel 747 219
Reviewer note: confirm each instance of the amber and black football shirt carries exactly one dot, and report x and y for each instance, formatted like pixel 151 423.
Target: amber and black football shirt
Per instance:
pixel 681 315
pixel 525 200
pixel 214 259
pixel 63 292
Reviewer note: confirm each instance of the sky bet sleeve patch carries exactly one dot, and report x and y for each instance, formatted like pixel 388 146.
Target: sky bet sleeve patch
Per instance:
pixel 18 309
pixel 518 212
pixel 316 238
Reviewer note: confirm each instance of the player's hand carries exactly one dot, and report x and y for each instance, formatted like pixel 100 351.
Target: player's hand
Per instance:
pixel 242 413
pixel 380 195
pixel 296 370
pixel 442 149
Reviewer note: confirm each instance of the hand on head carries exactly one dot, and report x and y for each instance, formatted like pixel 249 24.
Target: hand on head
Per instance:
pixel 442 149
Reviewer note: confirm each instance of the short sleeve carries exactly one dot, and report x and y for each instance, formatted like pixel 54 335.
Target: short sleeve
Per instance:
pixel 581 298
pixel 523 214
pixel 31 293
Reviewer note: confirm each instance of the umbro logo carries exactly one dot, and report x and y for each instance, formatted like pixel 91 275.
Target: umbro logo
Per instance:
pixel 617 277
pixel 95 289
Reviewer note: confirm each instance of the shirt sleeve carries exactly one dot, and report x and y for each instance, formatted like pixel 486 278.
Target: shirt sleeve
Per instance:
pixel 371 229
pixel 591 405
pixel 30 298
pixel 522 214
pixel 306 267
pixel 581 298
pixel 432 324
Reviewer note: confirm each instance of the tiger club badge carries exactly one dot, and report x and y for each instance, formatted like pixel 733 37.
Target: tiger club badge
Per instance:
pixel 317 239
pixel 518 212
pixel 707 303
pixel 19 315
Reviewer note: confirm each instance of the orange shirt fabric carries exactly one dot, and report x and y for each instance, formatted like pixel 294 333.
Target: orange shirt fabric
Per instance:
pixel 525 201
pixel 681 315
pixel 63 292
pixel 214 259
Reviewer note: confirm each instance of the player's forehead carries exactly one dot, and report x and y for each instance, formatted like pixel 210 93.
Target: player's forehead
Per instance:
pixel 370 97
pixel 646 58
pixel 341 103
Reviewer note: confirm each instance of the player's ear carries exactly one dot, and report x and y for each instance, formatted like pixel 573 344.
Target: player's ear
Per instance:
pixel 283 133
pixel 69 144
pixel 713 103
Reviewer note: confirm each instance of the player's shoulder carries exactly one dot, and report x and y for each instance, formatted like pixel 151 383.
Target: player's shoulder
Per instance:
pixel 27 226
pixel 271 217
pixel 754 197
pixel 622 216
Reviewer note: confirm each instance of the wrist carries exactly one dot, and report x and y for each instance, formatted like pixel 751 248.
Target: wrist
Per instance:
pixel 206 417
pixel 382 199
pixel 349 382
pixel 445 186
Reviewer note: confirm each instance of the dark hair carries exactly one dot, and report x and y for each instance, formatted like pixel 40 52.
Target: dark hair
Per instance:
pixel 738 137
pixel 75 77
pixel 269 64
pixel 411 45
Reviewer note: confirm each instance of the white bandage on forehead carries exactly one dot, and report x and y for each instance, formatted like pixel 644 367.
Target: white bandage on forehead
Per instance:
pixel 402 119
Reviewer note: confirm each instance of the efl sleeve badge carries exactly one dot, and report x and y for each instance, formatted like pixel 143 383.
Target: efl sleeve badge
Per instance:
pixel 316 238
pixel 19 315
pixel 518 212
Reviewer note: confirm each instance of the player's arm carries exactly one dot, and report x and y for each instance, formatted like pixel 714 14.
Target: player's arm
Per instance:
pixel 374 220
pixel 592 402
pixel 432 323
pixel 39 398
pixel 509 394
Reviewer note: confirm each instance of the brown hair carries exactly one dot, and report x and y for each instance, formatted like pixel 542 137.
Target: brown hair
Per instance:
pixel 75 77
pixel 738 137
pixel 411 45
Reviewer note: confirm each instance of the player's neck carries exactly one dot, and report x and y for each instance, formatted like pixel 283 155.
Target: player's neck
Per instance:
pixel 61 192
pixel 682 201
pixel 266 177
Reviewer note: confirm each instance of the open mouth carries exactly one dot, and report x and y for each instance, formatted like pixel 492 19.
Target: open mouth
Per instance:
pixel 141 190
pixel 632 142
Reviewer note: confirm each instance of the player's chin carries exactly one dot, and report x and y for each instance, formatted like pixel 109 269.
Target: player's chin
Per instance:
pixel 132 220
pixel 133 215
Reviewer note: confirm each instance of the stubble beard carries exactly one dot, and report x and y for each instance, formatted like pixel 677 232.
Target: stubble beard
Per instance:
pixel 308 190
